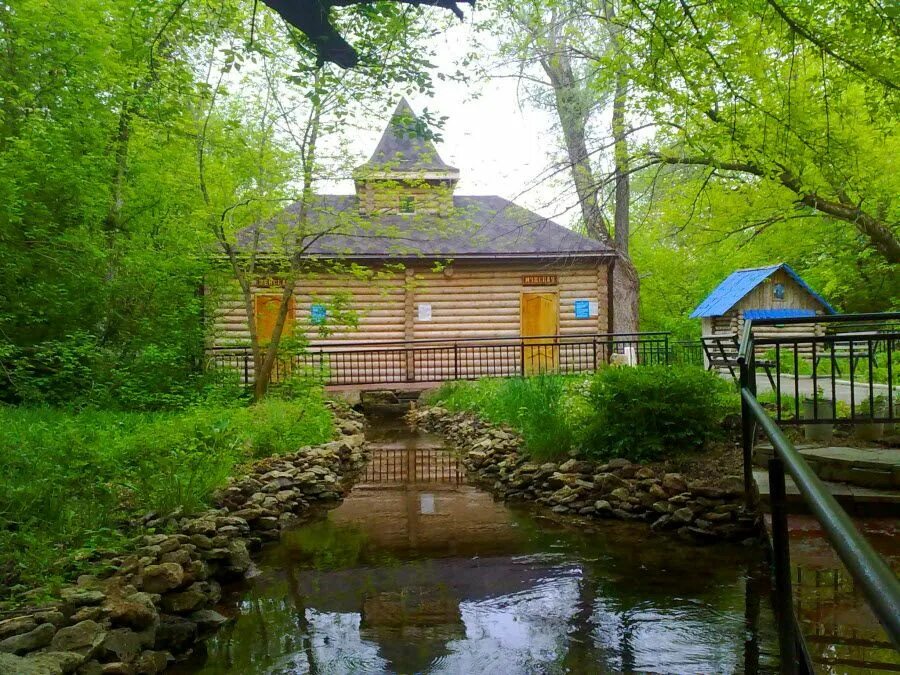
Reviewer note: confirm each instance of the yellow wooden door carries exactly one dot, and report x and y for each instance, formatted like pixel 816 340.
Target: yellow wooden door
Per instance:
pixel 540 322
pixel 266 311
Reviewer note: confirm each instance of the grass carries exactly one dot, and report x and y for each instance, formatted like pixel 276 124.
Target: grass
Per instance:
pixel 637 413
pixel 68 480
pixel 543 409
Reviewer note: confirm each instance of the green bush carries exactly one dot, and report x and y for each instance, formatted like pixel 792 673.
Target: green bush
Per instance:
pixel 647 412
pixel 67 480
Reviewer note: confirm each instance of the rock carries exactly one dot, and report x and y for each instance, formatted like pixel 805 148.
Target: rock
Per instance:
pixel 84 638
pixel 662 507
pixel 607 482
pixel 181 556
pixel 644 473
pixel 17 625
pixel 604 508
pixel 117 668
pixel 664 522
pixel 718 516
pixel 185 601
pixel 576 466
pixel 136 610
pixel 733 486
pixel 175 633
pixel 658 492
pixel 620 494
pixel 208 619
pixel 683 515
pixel 674 483
pixel 163 577
pixel 125 644
pixel 92 613
pixel 45 663
pixel 37 637
pixel 53 616
pixel 82 597
pixel 238 557
pixel 617 463
pixel 151 662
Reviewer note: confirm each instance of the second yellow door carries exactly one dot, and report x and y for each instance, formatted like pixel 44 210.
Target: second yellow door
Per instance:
pixel 540 323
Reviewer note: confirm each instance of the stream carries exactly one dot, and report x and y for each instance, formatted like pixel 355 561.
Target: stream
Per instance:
pixel 417 571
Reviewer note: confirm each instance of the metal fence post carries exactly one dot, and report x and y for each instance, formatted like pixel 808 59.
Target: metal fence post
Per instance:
pixel 522 358
pixel 781 561
pixel 455 360
pixel 748 432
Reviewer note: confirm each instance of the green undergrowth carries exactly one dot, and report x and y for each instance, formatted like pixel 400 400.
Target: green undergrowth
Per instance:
pixel 643 413
pixel 69 479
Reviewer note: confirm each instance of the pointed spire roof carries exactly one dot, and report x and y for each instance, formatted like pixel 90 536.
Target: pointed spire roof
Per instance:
pixel 406 150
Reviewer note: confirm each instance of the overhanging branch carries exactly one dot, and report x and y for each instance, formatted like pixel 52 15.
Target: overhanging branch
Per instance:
pixel 312 17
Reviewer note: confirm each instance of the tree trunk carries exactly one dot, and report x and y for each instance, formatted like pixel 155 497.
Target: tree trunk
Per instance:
pixel 573 115
pixel 622 219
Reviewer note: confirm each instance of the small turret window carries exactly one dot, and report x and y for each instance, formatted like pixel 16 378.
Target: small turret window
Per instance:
pixel 407 204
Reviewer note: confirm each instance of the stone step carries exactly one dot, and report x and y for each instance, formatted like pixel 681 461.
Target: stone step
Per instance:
pixel 876 468
pixel 856 500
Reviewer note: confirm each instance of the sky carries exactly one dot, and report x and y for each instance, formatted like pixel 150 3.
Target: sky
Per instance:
pixel 499 146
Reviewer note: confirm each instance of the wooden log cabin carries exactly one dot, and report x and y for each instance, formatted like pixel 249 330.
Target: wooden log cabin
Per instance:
pixel 771 292
pixel 418 264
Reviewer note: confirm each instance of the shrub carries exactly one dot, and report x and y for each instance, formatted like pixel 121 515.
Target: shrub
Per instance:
pixel 644 413
pixel 67 480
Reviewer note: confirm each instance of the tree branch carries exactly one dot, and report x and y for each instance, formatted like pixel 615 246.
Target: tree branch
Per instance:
pixel 805 33
pixel 879 232
pixel 312 17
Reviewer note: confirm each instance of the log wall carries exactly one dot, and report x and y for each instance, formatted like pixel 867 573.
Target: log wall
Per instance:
pixel 467 301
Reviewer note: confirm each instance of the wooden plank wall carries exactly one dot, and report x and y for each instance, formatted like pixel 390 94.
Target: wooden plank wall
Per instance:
pixel 471 301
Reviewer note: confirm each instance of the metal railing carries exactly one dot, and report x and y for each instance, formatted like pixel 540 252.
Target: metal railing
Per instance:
pixel 830 369
pixel 878 583
pixel 394 362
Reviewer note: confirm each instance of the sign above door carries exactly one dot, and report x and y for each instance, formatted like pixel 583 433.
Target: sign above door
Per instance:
pixel 539 280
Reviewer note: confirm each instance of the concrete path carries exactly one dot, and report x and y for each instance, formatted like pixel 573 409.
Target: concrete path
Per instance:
pixel 842 389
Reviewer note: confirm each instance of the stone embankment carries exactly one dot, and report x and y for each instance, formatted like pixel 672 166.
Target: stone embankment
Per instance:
pixel 158 600
pixel 697 511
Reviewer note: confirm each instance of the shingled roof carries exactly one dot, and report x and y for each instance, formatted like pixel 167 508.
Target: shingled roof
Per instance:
pixel 479 227
pixel 406 147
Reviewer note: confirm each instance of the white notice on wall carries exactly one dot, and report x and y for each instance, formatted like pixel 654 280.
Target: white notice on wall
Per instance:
pixel 424 312
pixel 426 503
pixel 593 308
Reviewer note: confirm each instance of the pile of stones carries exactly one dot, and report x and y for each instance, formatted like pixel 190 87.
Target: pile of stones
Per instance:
pixel 157 601
pixel 618 488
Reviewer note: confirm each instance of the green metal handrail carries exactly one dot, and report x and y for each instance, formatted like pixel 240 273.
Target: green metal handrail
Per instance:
pixel 879 584
pixel 876 579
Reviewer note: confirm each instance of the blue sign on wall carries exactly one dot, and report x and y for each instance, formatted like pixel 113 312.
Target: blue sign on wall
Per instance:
pixel 317 314
pixel 582 309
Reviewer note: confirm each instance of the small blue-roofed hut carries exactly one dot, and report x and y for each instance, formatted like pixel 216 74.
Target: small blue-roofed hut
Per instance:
pixel 772 292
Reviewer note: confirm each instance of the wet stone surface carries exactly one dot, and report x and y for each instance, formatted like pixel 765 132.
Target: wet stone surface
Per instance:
pixel 419 572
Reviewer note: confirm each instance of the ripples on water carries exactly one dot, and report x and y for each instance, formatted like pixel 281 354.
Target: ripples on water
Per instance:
pixel 418 572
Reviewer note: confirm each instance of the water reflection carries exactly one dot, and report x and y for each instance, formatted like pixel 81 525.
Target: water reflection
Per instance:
pixel 419 572
pixel 841 632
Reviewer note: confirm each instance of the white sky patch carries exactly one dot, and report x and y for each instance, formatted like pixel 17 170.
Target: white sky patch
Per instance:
pixel 499 147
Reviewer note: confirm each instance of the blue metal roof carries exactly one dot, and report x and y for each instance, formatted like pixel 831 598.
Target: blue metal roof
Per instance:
pixel 783 313
pixel 741 282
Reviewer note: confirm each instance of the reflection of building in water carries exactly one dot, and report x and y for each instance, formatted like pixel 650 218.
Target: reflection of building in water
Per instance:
pixel 838 626
pixel 414 499
pixel 842 633
pixel 401 465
